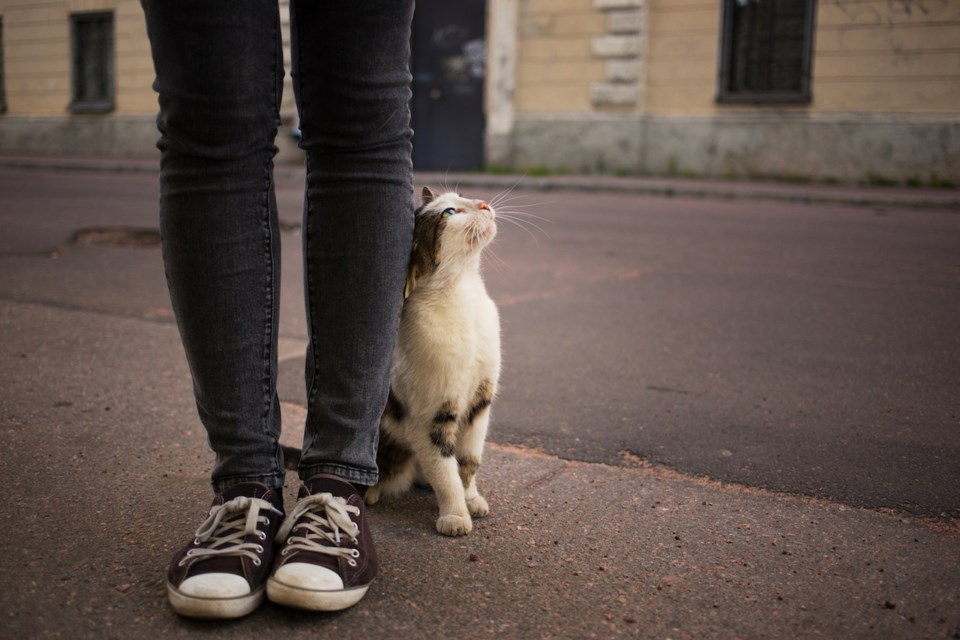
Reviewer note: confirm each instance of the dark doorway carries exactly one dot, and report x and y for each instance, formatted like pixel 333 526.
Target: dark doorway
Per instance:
pixel 449 64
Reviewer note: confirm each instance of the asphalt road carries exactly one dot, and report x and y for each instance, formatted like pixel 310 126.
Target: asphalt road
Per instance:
pixel 807 349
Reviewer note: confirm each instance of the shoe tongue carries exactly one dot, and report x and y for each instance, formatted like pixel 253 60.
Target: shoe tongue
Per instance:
pixel 250 490
pixel 327 483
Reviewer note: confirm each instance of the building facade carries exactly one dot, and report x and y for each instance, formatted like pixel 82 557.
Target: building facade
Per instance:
pixel 77 79
pixel 845 90
pixel 854 90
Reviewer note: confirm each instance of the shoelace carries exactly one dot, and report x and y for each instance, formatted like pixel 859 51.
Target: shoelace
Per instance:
pixel 228 525
pixel 321 533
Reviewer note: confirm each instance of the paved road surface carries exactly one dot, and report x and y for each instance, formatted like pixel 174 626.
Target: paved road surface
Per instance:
pixel 804 349
pixel 807 349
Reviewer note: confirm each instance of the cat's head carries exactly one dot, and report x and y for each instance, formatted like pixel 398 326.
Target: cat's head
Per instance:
pixel 449 234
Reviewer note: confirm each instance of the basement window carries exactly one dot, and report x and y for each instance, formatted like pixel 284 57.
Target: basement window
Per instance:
pixel 765 51
pixel 91 39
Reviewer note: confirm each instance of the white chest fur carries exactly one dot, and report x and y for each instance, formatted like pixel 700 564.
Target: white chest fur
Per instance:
pixel 449 342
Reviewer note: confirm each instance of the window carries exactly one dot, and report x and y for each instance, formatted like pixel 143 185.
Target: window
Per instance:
pixel 765 51
pixel 92 46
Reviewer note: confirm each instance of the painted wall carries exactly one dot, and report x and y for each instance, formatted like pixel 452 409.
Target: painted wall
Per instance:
pixel 877 56
pixel 631 85
pixel 870 57
pixel 589 85
pixel 555 63
pixel 36 37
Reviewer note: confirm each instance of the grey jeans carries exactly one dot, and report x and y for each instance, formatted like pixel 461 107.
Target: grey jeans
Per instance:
pixel 219 74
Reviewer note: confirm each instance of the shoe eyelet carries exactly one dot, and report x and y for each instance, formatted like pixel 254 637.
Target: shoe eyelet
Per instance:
pixel 352 562
pixel 267 522
pixel 355 553
pixel 189 552
pixel 259 549
pixel 256 562
pixel 284 551
pixel 196 541
pixel 262 535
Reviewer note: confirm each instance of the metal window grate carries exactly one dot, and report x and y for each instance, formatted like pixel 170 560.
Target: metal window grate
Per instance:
pixel 92 50
pixel 766 50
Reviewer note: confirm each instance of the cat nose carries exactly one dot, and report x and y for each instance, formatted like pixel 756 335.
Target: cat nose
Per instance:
pixel 483 205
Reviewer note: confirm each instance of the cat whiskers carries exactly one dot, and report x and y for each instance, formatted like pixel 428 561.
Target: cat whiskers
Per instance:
pixel 445 185
pixel 477 233
pixel 501 197
pixel 519 219
pixel 509 210
pixel 494 260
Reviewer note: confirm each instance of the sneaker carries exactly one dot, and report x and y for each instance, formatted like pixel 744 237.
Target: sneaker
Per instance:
pixel 327 560
pixel 222 572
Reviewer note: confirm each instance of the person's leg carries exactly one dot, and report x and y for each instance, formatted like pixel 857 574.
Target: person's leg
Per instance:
pixel 352 82
pixel 353 88
pixel 219 72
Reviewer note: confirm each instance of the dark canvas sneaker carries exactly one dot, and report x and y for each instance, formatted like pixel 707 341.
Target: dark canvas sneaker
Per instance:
pixel 327 560
pixel 222 572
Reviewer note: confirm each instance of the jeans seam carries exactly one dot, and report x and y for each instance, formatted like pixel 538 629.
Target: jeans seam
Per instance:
pixel 307 230
pixel 272 282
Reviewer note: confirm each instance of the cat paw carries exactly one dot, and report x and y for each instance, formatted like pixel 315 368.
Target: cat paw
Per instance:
pixel 478 506
pixel 454 525
pixel 372 495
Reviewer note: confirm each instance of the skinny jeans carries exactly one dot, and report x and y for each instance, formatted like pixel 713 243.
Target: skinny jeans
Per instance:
pixel 219 78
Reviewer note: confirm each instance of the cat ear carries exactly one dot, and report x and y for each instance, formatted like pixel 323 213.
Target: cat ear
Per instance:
pixel 428 196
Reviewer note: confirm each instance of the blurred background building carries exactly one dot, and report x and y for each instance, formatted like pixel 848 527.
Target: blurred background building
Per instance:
pixel 846 90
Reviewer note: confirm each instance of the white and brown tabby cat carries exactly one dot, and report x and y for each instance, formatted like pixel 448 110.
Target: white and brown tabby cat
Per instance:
pixel 446 364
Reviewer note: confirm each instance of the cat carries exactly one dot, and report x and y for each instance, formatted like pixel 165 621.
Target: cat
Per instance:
pixel 446 364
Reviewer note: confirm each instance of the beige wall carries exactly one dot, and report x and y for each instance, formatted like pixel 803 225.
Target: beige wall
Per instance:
pixel 555 64
pixel 873 56
pixel 681 64
pixel 590 85
pixel 870 56
pixel 37 56
pixel 884 56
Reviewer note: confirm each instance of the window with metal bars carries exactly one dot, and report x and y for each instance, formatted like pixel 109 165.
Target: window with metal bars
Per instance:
pixel 766 49
pixel 91 37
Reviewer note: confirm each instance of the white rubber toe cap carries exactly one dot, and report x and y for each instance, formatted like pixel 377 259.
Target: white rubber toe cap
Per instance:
pixel 215 585
pixel 301 575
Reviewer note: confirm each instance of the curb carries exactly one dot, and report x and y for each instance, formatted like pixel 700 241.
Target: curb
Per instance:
pixel 876 197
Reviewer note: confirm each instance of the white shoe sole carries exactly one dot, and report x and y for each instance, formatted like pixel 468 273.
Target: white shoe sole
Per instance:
pixel 310 600
pixel 214 608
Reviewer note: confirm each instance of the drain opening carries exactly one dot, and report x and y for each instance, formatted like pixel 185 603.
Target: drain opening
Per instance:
pixel 116 237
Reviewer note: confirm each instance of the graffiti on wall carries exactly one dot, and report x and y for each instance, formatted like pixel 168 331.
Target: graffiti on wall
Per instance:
pixel 866 12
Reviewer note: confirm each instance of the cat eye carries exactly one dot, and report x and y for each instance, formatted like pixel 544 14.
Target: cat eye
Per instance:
pixel 448 212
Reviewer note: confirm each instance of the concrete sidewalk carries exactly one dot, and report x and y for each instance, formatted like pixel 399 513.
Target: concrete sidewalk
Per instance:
pixel 105 472
pixel 104 467
pixel 874 196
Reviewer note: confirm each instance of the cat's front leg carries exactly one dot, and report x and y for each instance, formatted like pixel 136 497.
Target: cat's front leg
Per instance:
pixel 436 455
pixel 441 472
pixel 476 503
pixel 470 448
